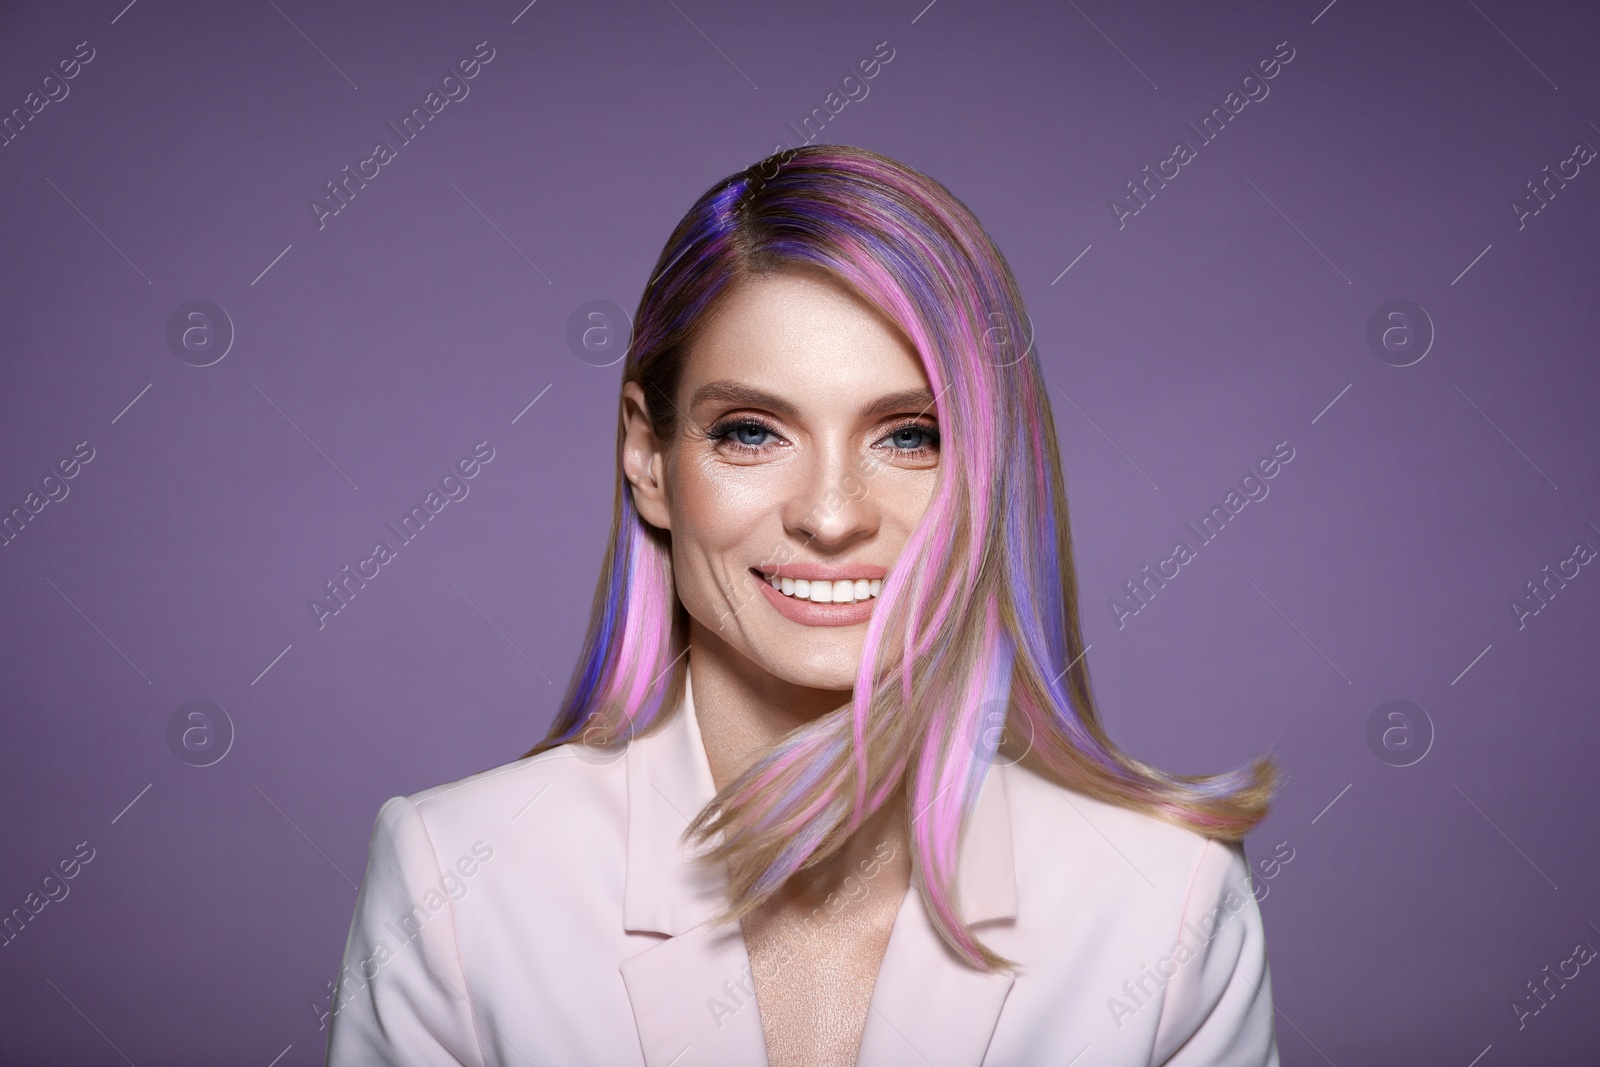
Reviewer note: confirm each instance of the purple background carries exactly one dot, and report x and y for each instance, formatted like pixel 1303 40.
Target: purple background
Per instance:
pixel 1228 315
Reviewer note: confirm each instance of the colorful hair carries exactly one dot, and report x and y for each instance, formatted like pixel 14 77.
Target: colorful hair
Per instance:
pixel 982 601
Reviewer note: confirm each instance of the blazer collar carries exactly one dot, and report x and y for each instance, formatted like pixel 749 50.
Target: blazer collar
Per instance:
pixel 685 991
pixel 669 781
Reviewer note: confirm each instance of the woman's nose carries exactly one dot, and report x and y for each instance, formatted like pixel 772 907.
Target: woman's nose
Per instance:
pixel 832 504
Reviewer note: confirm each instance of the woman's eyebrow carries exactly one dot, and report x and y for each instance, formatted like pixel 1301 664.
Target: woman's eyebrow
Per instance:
pixel 728 392
pixel 918 400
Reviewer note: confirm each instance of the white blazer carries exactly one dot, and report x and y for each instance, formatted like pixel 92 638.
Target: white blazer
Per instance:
pixel 545 913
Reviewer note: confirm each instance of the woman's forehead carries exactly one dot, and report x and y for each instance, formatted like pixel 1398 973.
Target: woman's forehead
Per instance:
pixel 800 331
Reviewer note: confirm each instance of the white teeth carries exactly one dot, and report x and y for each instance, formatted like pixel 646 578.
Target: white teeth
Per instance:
pixel 840 591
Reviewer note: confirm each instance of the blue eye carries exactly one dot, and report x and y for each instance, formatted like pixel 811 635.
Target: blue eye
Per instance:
pixel 751 436
pixel 744 434
pixel 914 437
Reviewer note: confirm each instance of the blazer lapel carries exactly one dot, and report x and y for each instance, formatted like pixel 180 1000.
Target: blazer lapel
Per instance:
pixel 685 991
pixel 929 1007
pixel 691 993
pixel 688 1004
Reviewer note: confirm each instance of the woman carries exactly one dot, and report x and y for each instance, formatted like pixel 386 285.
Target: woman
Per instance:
pixel 828 785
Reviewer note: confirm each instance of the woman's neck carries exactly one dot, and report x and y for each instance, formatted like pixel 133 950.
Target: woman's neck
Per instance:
pixel 741 708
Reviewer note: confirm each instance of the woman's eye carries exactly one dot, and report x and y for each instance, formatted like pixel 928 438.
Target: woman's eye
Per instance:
pixel 750 436
pixel 744 434
pixel 913 438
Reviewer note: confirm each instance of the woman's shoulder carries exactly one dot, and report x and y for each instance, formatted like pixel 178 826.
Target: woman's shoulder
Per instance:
pixel 1134 854
pixel 570 766
pixel 569 795
pixel 1153 925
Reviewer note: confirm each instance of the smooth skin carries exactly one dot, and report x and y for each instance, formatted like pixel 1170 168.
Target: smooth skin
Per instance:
pixel 806 434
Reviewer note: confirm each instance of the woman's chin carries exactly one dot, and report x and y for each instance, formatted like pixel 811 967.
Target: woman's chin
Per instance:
pixel 822 668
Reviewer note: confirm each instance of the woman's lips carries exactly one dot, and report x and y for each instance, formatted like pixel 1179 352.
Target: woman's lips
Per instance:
pixel 811 613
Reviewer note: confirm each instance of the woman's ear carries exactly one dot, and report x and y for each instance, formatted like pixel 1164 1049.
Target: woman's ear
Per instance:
pixel 644 459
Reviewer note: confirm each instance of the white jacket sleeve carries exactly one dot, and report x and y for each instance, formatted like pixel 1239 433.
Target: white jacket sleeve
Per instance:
pixel 1218 1009
pixel 401 996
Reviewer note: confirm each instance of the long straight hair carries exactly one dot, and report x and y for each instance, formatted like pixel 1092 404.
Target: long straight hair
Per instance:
pixel 973 653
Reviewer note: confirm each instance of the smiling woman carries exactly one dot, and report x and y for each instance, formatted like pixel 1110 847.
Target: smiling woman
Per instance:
pixel 839 557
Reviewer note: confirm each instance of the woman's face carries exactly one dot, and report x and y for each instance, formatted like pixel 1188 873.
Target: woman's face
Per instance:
pixel 806 450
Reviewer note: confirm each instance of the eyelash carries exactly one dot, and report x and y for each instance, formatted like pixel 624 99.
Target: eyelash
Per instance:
pixel 723 432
